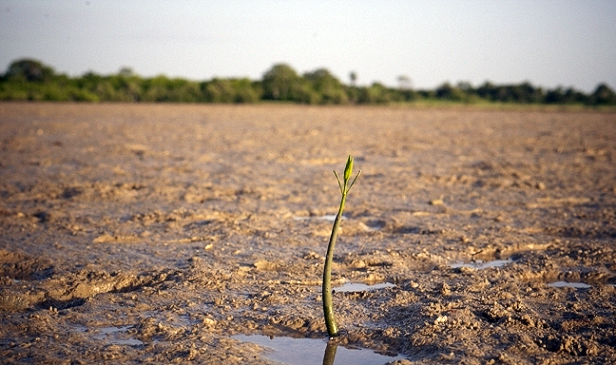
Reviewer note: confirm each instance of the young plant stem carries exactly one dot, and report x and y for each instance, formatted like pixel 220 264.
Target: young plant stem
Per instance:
pixel 328 307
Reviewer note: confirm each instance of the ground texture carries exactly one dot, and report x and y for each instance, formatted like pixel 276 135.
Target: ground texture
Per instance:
pixel 154 233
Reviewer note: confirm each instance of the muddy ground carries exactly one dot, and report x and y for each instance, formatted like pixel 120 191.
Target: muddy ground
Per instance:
pixel 154 233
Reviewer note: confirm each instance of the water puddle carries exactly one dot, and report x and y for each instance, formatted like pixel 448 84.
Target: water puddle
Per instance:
pixel 113 335
pixel 565 284
pixel 117 336
pixel 306 351
pixel 357 287
pixel 480 264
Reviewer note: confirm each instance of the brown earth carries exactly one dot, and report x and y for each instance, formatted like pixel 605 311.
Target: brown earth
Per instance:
pixel 154 233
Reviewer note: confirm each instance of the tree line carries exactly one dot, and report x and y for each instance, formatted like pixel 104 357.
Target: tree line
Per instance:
pixel 29 79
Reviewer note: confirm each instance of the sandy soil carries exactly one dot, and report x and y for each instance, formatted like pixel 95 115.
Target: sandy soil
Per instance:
pixel 154 233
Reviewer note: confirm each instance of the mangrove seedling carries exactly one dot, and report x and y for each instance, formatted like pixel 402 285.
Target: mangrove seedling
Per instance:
pixel 328 308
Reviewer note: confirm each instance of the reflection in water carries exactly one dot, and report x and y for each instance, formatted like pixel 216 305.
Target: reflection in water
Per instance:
pixel 112 335
pixel 330 354
pixel 479 264
pixel 564 284
pixel 117 336
pixel 308 351
pixel 357 287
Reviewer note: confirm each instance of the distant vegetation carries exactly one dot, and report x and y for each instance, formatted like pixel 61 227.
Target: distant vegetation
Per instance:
pixel 32 80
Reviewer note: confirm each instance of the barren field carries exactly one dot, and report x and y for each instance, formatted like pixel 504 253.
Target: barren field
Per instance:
pixel 137 234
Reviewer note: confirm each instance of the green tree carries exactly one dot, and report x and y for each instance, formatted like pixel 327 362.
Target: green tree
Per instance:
pixel 575 97
pixel 603 95
pixel 526 93
pixel 448 92
pixel 218 91
pixel 329 89
pixel 556 96
pixel 154 89
pixel 127 88
pixel 377 93
pixel 164 89
pixel 281 82
pixel 28 70
pixel 245 91
pixel 487 91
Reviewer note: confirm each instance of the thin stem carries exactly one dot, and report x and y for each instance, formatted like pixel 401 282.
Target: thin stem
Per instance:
pixel 339 183
pixel 353 183
pixel 326 293
pixel 328 307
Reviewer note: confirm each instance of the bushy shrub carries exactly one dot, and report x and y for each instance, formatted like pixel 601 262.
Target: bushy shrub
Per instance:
pixel 29 79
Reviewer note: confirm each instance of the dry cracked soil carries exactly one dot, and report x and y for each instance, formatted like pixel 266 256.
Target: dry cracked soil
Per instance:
pixel 154 233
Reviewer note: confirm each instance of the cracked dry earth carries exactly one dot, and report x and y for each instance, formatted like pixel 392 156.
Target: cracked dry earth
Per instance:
pixel 138 234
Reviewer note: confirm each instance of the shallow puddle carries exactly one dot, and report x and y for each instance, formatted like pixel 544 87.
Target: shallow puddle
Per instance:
pixel 479 264
pixel 112 335
pixel 356 287
pixel 307 351
pixel 117 336
pixel 564 284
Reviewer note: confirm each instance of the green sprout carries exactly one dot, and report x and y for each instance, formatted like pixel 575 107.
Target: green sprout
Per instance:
pixel 328 308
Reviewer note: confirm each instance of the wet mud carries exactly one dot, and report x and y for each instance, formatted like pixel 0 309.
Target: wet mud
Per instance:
pixel 160 233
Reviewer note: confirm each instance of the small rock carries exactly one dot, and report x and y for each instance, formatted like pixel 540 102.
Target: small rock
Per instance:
pixel 445 290
pixel 209 322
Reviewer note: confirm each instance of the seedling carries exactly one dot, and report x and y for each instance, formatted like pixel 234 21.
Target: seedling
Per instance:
pixel 328 308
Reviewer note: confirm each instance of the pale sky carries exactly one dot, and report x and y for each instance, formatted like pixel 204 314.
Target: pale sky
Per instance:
pixel 547 42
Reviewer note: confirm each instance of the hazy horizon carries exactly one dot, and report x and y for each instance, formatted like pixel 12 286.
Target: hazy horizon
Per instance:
pixel 549 44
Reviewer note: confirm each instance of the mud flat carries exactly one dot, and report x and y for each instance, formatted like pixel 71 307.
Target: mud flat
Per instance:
pixel 167 233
